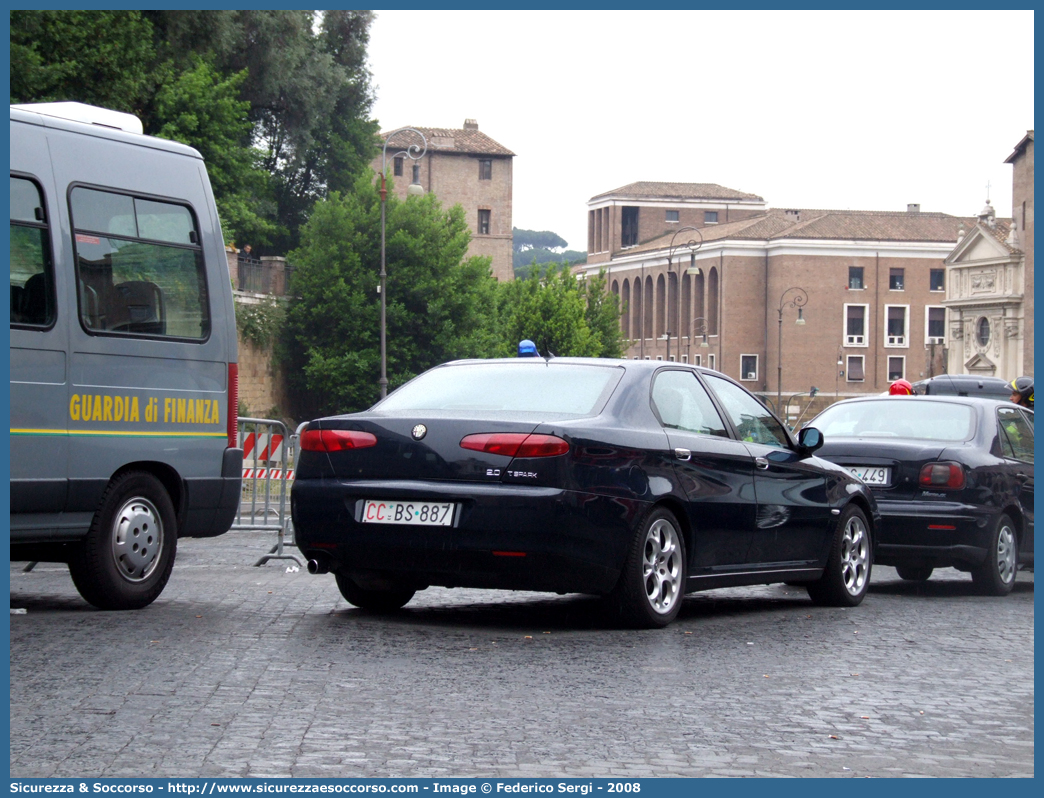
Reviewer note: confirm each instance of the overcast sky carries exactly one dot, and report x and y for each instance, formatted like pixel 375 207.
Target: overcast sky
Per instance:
pixel 860 110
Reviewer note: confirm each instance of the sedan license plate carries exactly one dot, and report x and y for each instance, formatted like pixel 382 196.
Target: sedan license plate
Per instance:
pixel 871 475
pixel 411 513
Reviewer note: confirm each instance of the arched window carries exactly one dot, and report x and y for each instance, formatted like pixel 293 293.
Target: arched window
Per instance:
pixel 712 302
pixel 647 300
pixel 636 309
pixel 672 305
pixel 982 331
pixel 661 306
pixel 686 305
pixel 625 309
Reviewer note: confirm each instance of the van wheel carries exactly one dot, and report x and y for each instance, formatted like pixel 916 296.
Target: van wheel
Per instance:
pixel 126 559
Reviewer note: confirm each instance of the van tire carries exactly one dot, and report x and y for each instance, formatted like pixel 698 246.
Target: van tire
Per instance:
pixel 126 559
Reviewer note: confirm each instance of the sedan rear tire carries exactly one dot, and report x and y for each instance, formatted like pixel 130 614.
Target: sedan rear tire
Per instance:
pixel 847 574
pixel 652 584
pixel 914 574
pixel 372 600
pixel 996 576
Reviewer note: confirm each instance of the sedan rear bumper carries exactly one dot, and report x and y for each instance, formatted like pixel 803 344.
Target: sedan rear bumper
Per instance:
pixel 506 536
pixel 935 534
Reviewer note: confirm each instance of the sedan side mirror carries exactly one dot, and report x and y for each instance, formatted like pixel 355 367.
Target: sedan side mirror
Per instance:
pixel 810 439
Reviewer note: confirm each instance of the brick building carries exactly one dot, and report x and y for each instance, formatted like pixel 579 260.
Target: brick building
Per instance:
pixel 874 280
pixel 990 284
pixel 468 168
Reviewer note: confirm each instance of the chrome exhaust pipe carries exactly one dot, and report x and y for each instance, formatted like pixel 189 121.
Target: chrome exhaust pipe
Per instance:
pixel 319 566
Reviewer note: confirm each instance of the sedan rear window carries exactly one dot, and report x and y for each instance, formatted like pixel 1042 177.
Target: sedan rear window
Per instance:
pixel 548 389
pixel 898 418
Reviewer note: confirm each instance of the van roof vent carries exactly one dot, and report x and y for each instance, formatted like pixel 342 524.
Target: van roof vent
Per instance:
pixel 88 114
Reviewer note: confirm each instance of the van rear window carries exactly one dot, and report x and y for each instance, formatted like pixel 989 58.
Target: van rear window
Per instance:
pixel 139 266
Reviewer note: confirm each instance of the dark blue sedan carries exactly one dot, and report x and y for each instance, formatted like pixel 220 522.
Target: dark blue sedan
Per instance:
pixel 636 480
pixel 953 477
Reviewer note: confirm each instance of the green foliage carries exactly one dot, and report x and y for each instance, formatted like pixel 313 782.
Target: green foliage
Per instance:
pixel 278 108
pixel 103 58
pixel 525 240
pixel 261 322
pixel 201 108
pixel 438 301
pixel 561 315
pixel 533 248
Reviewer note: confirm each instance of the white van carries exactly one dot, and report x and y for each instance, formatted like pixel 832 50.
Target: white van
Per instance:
pixel 124 384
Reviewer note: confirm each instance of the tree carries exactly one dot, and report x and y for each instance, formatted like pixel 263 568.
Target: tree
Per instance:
pixel 532 248
pixel 560 314
pixel 438 301
pixel 602 314
pixel 307 91
pixel 525 240
pixel 201 108
pixel 102 58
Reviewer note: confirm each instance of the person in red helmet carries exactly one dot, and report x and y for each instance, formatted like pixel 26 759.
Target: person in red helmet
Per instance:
pixel 900 388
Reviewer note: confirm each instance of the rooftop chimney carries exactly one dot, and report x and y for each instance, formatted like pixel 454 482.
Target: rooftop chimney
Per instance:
pixel 913 207
pixel 470 124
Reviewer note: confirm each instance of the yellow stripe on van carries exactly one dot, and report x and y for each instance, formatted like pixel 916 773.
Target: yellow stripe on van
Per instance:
pixel 105 433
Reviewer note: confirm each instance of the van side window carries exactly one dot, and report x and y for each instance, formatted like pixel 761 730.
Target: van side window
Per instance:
pixel 139 266
pixel 32 272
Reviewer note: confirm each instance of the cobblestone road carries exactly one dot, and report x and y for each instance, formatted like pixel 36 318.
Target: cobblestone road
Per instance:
pixel 243 671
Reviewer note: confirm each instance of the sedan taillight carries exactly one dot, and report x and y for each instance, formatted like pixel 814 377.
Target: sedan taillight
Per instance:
pixel 942 475
pixel 515 444
pixel 335 440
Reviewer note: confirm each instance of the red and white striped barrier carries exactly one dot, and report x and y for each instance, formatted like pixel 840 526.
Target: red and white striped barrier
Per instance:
pixel 268 473
pixel 264 445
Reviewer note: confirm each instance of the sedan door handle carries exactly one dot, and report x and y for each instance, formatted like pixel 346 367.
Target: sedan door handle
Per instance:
pixel 761 463
pixel 682 454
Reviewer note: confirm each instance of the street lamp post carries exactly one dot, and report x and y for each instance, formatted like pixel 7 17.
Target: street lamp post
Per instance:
pixel 799 301
pixel 692 245
pixel 692 333
pixel 414 152
pixel 838 371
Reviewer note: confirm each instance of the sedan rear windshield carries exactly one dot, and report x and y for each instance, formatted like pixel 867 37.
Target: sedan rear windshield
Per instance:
pixel 898 418
pixel 548 389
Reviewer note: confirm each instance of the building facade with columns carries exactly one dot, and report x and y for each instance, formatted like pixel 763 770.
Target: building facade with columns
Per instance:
pixel 466 167
pixel 989 295
pixel 867 286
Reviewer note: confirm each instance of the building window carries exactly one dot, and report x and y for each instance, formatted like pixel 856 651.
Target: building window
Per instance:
pixel 628 226
pixel 685 358
pixel 855 278
pixel 855 368
pixel 710 217
pixel 672 216
pixel 895 279
pixel 896 330
pixel 896 368
pixel 398 166
pixel 697 360
pixel 485 169
pixel 937 280
pixel 483 222
pixel 855 324
pixel 711 363
pixel 748 367
pixel 659 357
pixel 982 331
pixel 935 319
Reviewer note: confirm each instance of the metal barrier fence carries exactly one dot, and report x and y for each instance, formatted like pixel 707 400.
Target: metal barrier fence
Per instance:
pixel 269 454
